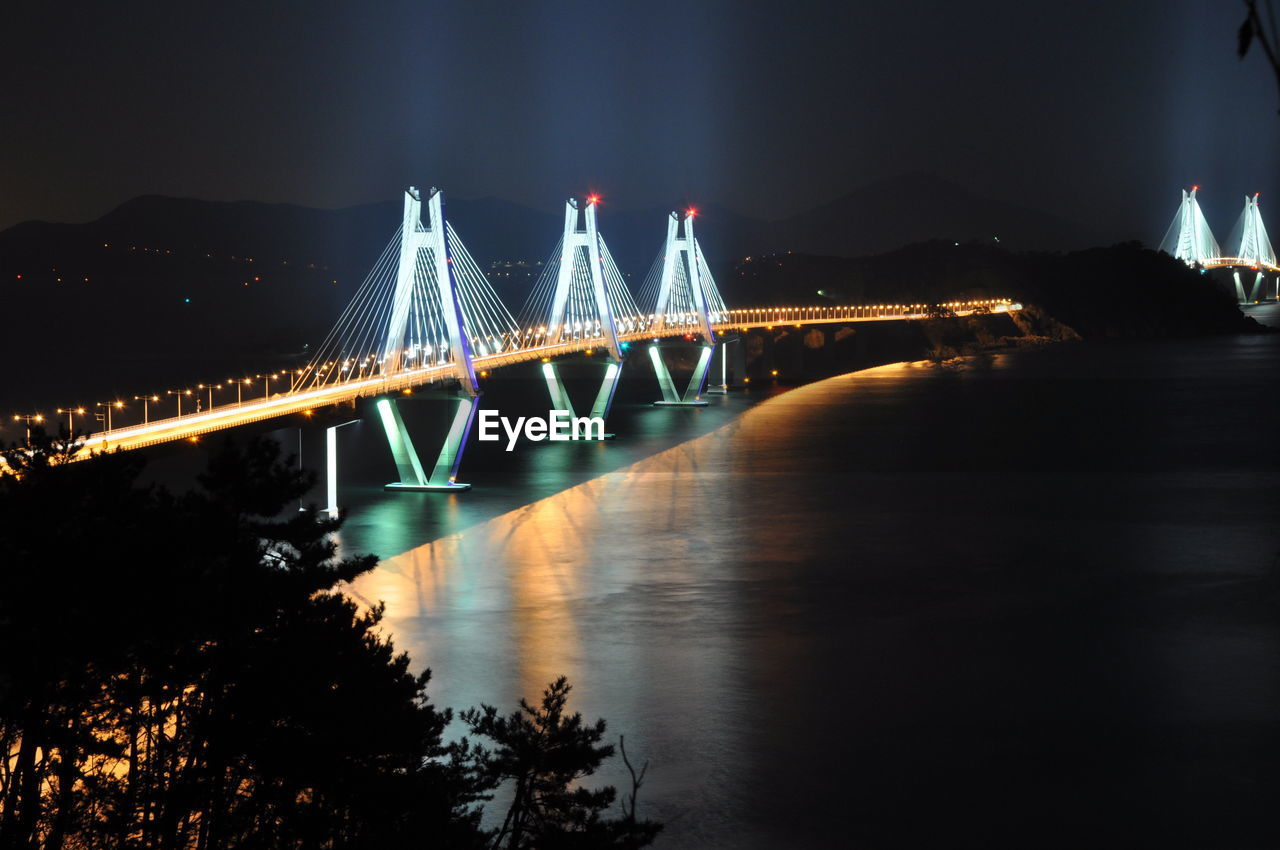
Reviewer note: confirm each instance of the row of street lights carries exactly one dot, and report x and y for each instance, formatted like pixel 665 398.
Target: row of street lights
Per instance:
pixel 103 409
pixel 71 413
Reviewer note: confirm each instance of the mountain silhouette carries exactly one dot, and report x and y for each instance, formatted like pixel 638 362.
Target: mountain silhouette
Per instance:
pixel 918 207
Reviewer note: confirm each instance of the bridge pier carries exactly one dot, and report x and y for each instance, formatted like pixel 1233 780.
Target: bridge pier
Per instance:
pixel 795 353
pixel 767 361
pixel 444 473
pixel 604 398
pixel 331 467
pixel 693 393
pixel 740 362
pixel 1253 293
pixel 722 362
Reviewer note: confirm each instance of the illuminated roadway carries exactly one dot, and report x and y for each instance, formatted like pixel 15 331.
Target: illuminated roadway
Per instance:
pixel 301 400
pixel 1226 262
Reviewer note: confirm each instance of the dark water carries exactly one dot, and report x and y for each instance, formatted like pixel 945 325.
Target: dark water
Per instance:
pixel 1031 600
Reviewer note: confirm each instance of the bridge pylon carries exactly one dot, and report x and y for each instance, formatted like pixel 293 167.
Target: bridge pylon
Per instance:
pixel 1251 246
pixel 421 243
pixel 580 298
pixel 684 295
pixel 421 315
pixel 581 272
pixel 1189 238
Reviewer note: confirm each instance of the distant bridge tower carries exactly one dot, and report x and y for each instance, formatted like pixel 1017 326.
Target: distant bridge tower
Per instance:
pixel 1251 247
pixel 424 310
pixel 426 243
pixel 582 263
pixel 426 263
pixel 686 292
pixel 1189 238
pixel 686 295
pixel 581 298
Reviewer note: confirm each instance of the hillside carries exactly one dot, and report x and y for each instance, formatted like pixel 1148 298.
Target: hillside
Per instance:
pixel 1119 291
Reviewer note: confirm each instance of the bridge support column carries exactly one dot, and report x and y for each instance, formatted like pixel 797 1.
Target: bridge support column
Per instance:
pixel 768 362
pixel 1253 293
pixel 608 386
pixel 740 362
pixel 604 398
pixel 722 387
pixel 693 393
pixel 795 364
pixel 444 473
pixel 1240 296
pixel 331 467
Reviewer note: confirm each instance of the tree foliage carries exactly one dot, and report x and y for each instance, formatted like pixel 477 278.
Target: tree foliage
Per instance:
pixel 1256 30
pixel 541 754
pixel 178 672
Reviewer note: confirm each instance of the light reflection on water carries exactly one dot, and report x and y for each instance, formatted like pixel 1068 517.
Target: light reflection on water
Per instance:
pixel 615 582
pixel 907 604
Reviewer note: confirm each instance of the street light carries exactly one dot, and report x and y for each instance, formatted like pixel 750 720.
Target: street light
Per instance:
pixel 118 405
pixel 71 412
pixel 267 380
pixel 179 394
pixel 238 382
pixel 144 399
pixel 28 418
pixel 210 388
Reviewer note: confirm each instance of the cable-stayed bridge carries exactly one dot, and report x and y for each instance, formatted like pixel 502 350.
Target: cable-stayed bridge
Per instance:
pixel 1190 239
pixel 426 314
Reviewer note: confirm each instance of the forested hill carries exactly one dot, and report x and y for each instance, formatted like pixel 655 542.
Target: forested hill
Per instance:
pixel 1123 290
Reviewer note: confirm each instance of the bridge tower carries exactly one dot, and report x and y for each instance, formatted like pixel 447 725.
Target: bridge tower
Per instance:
pixel 1189 238
pixel 427 244
pixel 686 296
pixel 420 316
pixel 580 298
pixel 1251 247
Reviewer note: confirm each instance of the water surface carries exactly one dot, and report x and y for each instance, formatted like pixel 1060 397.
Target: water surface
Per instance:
pixel 1027 600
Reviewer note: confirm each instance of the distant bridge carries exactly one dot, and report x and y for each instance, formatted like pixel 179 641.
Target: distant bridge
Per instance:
pixel 426 314
pixel 1190 239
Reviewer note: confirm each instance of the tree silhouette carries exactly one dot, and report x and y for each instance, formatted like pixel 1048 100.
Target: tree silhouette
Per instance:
pixel 543 753
pixel 1254 29
pixel 180 675
pixel 178 672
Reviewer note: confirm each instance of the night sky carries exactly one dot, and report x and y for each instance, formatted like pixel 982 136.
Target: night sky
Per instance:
pixel 1097 111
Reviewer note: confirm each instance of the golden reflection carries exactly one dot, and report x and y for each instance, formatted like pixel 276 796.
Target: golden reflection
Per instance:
pixel 536 592
pixel 548 562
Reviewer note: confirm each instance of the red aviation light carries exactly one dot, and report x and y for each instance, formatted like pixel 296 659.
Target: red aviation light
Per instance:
pixel 593 199
pixel 692 212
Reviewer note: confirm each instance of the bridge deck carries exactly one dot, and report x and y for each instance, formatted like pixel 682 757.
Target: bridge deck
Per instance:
pixel 194 425
pixel 1240 262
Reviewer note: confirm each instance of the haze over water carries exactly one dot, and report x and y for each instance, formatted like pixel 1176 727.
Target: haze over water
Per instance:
pixel 1021 600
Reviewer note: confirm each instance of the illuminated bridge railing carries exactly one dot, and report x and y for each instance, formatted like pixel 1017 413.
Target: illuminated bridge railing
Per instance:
pixel 1244 262
pixel 768 316
pixel 306 399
